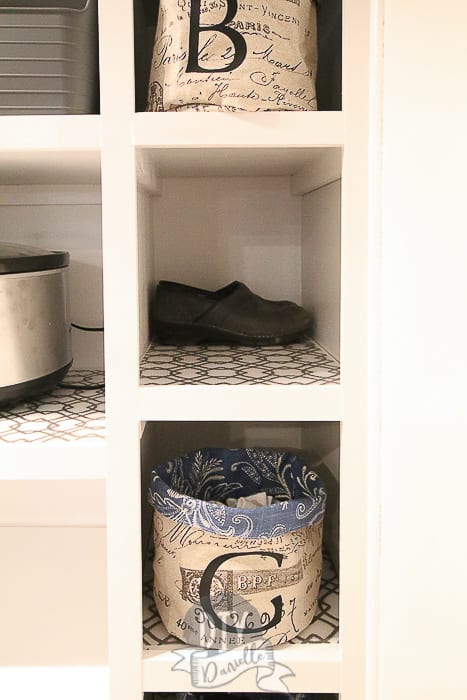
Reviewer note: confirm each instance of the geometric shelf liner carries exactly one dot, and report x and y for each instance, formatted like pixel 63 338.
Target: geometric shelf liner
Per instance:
pixel 61 415
pixel 323 629
pixel 298 363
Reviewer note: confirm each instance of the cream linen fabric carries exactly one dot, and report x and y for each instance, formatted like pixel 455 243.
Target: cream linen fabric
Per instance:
pixel 242 588
pixel 227 55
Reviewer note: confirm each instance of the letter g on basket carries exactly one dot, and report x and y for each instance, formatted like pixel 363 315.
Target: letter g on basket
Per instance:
pixel 205 594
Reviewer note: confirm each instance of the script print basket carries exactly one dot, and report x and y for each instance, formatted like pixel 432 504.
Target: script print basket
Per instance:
pixel 226 577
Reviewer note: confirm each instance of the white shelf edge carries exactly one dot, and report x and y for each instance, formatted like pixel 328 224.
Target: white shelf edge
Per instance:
pixel 240 403
pixel 90 682
pixel 239 129
pixel 50 133
pixel 65 461
pixel 316 668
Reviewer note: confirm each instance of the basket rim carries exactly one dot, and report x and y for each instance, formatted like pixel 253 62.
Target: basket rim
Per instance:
pixel 298 512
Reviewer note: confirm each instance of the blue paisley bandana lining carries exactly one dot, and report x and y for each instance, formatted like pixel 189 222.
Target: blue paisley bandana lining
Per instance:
pixel 192 489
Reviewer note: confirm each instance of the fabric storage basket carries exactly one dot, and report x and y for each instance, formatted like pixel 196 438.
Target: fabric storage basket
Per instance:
pixel 228 56
pixel 225 576
pixel 48 57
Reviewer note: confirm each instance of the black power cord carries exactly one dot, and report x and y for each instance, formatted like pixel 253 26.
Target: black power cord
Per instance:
pixel 84 387
pixel 87 328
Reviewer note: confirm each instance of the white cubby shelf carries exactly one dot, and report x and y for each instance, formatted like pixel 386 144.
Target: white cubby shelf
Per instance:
pixel 222 382
pixel 277 200
pixel 275 130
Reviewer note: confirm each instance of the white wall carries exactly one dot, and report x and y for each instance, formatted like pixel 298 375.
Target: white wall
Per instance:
pixel 424 466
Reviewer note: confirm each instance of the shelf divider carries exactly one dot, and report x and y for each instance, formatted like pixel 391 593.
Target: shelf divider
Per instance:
pixel 240 403
pixel 239 129
pixel 222 382
pixel 314 666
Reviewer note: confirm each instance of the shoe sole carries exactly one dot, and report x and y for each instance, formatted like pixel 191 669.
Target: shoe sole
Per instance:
pixel 167 333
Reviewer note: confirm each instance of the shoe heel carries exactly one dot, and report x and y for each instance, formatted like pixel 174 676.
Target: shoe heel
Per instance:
pixel 176 334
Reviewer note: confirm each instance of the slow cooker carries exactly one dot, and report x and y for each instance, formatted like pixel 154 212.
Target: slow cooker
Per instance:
pixel 35 331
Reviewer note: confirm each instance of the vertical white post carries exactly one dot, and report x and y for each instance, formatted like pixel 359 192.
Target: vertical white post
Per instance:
pixel 119 202
pixel 356 232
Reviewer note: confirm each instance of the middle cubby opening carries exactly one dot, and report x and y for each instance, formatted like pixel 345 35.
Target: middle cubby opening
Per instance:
pixel 267 218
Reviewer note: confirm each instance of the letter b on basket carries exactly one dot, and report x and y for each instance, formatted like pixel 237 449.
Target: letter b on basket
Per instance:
pixel 195 52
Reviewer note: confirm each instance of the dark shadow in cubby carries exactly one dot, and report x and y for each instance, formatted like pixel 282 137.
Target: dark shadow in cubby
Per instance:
pixel 329 76
pixel 145 14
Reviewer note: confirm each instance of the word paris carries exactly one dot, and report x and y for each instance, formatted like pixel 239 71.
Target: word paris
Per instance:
pixel 235 43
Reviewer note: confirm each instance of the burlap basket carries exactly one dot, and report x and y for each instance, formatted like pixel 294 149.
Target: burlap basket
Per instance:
pixel 224 576
pixel 224 55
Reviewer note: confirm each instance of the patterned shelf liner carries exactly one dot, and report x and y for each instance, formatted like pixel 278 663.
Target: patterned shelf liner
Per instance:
pixel 323 629
pixel 298 363
pixel 60 416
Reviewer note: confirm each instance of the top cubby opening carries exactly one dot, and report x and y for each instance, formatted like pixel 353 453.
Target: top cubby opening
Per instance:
pixel 329 32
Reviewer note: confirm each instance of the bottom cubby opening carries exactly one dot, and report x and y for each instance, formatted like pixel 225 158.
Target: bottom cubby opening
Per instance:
pixel 316 443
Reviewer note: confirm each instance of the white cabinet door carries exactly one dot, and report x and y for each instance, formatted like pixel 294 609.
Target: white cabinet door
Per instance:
pixel 53 596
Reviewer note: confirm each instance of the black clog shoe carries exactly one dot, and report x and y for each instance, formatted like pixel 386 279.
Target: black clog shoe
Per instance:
pixel 233 314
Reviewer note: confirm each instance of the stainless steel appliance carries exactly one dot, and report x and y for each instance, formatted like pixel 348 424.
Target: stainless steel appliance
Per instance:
pixel 35 331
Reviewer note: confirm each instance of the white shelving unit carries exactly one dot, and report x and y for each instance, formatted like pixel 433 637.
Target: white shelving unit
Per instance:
pixel 280 200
